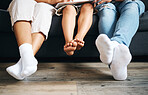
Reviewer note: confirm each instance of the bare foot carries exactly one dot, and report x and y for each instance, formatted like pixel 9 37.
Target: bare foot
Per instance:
pixel 70 47
pixel 80 43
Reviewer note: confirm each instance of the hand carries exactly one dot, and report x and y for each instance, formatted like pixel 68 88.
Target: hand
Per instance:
pixel 58 1
pixel 52 2
pixel 102 1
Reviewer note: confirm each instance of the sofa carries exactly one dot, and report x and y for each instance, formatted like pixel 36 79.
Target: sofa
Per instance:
pixel 52 49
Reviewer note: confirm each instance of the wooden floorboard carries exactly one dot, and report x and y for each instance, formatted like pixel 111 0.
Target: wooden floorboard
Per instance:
pixel 87 78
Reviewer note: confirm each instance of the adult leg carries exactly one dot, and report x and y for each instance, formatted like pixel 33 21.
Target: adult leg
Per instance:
pixel 37 41
pixel 38 24
pixel 84 23
pixel 128 21
pixel 20 19
pixel 107 21
pixel 126 27
pixel 68 25
pixel 41 24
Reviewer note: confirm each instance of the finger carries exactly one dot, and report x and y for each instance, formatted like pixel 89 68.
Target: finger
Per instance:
pixel 95 4
pixel 108 1
pixel 67 0
pixel 58 1
pixel 64 0
pixel 95 1
pixel 100 2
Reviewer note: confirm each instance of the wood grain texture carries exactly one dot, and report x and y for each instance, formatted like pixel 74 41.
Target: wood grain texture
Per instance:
pixel 76 79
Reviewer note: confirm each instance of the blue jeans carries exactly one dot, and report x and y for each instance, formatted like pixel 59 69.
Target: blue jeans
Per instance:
pixel 120 20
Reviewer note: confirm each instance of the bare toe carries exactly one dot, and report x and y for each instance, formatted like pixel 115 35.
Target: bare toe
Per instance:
pixel 70 47
pixel 80 44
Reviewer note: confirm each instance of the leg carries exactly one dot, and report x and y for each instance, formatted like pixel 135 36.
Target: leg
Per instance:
pixel 84 23
pixel 20 20
pixel 23 38
pixel 37 41
pixel 123 34
pixel 107 21
pixel 121 59
pixel 68 25
pixel 25 35
pixel 37 38
pixel 125 29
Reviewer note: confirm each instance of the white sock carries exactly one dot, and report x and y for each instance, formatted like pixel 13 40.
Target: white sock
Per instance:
pixel 29 62
pixel 15 70
pixel 121 59
pixel 105 47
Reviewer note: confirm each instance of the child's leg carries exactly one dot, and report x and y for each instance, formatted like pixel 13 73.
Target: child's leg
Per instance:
pixel 68 24
pixel 84 23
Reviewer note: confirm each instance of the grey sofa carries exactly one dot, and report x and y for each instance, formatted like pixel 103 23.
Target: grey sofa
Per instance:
pixel 52 49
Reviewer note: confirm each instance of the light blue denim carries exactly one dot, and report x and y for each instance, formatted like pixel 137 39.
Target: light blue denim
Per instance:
pixel 120 20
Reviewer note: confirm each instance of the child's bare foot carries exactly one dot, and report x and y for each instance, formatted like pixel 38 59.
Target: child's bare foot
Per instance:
pixel 80 43
pixel 70 47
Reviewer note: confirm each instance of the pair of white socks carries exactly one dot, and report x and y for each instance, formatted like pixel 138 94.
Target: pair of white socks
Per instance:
pixel 26 66
pixel 114 54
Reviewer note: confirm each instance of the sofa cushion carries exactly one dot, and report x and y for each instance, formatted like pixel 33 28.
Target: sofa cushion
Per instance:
pixel 5 22
pixel 143 26
pixel 4 4
pixel 146 4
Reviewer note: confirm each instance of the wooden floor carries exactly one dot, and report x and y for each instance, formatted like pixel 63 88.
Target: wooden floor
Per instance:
pixel 76 79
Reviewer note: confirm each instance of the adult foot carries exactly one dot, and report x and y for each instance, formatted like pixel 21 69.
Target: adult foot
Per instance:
pixel 29 62
pixel 121 58
pixel 70 47
pixel 15 70
pixel 105 47
pixel 29 66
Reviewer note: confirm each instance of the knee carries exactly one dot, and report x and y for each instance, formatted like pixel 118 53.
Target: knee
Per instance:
pixel 87 8
pixel 131 5
pixel 69 9
pixel 107 9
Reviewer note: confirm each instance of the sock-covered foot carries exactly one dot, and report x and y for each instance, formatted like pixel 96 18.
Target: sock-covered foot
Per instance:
pixel 80 43
pixel 29 62
pixel 15 70
pixel 70 47
pixel 105 47
pixel 121 59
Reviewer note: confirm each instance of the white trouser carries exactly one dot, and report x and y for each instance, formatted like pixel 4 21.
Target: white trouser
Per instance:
pixel 40 14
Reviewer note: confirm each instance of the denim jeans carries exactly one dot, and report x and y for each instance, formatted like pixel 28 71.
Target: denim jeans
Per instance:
pixel 120 20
